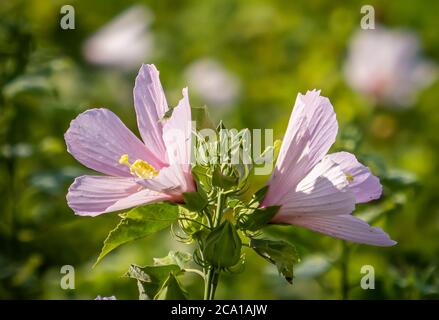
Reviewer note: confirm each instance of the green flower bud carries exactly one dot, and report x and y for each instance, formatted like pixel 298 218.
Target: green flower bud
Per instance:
pixel 223 246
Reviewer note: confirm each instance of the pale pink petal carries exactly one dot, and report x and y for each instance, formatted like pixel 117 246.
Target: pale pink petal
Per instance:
pixel 97 138
pixel 324 191
pixel 150 104
pixel 94 195
pixel 311 131
pixel 345 227
pixel 362 182
pixel 177 132
pixel 172 180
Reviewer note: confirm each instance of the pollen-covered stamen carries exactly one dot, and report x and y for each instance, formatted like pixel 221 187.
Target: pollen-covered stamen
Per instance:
pixel 140 168
pixel 349 177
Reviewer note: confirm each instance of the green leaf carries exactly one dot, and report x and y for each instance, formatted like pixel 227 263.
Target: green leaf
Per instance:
pixel 280 253
pixel 139 223
pixel 222 181
pixel 258 219
pixel 137 273
pixel 260 194
pixel 151 280
pixel 159 281
pixel 195 201
pixel 174 291
pixel 182 259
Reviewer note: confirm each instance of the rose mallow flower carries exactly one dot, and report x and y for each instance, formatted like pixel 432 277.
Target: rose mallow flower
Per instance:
pixel 387 66
pixel 212 82
pixel 134 172
pixel 124 42
pixel 317 190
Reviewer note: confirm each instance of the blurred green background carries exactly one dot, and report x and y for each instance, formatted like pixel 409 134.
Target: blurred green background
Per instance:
pixel 261 54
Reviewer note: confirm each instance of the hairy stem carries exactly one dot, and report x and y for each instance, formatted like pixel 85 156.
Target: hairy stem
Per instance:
pixel 212 275
pixel 196 271
pixel 207 284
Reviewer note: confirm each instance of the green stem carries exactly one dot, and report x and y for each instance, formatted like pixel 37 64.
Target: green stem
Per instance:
pixel 212 276
pixel 196 271
pixel 211 282
pixel 207 284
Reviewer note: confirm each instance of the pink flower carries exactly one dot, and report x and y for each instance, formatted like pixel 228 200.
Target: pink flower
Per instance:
pixel 124 42
pixel 316 190
pixel 387 65
pixel 160 165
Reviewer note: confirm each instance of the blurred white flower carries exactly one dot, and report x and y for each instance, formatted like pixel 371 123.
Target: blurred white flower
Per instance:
pixel 212 83
pixel 386 65
pixel 125 42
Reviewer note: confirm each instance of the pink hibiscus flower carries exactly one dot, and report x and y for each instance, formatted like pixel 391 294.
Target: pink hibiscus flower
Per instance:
pixel 160 169
pixel 316 190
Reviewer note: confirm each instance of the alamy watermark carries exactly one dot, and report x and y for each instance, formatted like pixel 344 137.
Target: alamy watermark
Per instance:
pixel 68 17
pixel 67 281
pixel 368 280
pixel 368 20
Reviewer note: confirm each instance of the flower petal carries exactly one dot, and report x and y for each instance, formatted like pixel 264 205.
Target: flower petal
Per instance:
pixel 150 104
pixel 177 132
pixel 346 227
pixel 364 184
pixel 311 131
pixel 94 195
pixel 97 138
pixel 324 191
pixel 172 180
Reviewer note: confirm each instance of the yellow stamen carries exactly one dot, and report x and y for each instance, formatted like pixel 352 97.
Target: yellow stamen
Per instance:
pixel 349 177
pixel 143 169
pixel 124 160
pixel 140 168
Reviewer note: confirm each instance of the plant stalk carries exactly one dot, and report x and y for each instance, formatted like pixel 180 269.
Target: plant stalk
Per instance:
pixel 212 275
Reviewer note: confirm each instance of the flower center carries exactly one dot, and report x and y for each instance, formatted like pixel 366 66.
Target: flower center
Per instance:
pixel 140 168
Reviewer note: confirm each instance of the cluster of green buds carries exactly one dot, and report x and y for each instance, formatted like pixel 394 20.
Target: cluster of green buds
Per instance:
pixel 216 218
